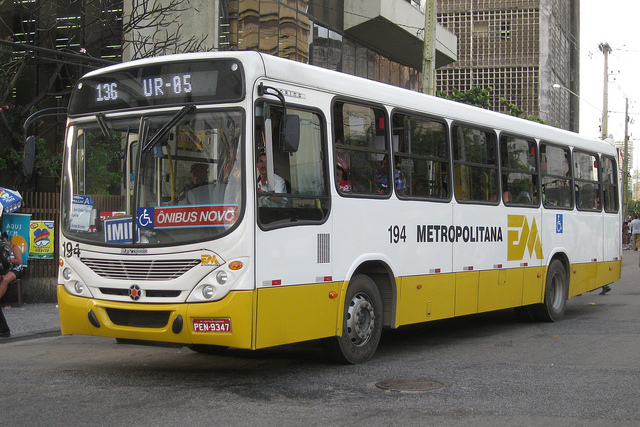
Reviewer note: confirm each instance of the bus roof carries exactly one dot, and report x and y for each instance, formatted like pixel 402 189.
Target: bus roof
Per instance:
pixel 257 65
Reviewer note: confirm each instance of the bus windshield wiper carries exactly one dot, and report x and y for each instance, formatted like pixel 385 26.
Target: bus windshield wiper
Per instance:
pixel 163 131
pixel 102 124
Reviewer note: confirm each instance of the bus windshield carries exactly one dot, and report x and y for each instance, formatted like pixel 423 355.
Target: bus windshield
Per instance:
pixel 159 179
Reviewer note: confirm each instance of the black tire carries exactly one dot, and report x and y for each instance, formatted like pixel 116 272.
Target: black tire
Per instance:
pixel 208 349
pixel 556 291
pixel 361 325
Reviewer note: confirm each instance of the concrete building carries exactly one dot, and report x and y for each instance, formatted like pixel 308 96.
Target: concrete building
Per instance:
pixel 376 39
pixel 520 48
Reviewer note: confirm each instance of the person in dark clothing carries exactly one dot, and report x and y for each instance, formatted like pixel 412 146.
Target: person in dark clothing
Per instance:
pixel 14 272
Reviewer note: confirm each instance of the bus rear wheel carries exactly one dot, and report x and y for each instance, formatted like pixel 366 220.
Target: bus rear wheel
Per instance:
pixel 361 325
pixel 556 292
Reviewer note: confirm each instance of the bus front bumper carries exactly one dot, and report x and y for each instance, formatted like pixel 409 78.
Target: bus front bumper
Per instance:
pixel 228 322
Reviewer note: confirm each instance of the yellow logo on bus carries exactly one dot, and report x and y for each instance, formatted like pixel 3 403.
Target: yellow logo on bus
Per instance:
pixel 209 260
pixel 524 237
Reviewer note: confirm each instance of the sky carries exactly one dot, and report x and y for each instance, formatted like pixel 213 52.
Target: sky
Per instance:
pixel 617 23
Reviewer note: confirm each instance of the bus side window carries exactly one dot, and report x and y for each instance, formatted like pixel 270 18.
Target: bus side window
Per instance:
pixel 421 156
pixel 302 174
pixel 475 164
pixel 585 174
pixel 519 166
pixel 555 168
pixel 361 142
pixel 609 181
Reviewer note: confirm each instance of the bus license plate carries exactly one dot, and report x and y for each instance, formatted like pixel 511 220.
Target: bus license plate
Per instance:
pixel 211 325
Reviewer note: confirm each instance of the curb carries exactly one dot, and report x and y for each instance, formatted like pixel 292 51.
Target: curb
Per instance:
pixel 31 336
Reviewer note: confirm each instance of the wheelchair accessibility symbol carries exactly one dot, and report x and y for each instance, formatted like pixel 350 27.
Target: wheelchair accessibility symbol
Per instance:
pixel 559 223
pixel 145 217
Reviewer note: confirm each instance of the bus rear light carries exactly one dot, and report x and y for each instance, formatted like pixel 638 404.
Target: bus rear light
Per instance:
pixel 236 265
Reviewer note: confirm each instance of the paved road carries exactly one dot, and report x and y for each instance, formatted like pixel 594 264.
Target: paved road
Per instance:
pixel 482 370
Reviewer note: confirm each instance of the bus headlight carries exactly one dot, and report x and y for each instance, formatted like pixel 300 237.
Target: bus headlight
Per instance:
pixel 208 291
pixel 67 273
pixel 78 287
pixel 222 277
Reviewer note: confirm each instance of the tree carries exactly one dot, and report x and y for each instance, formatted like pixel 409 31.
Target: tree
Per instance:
pixel 475 96
pixel 514 110
pixel 54 42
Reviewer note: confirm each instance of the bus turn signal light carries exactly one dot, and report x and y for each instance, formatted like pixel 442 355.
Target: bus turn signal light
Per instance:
pixel 333 295
pixel 235 265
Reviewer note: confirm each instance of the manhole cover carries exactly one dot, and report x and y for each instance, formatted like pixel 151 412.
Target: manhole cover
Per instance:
pixel 418 384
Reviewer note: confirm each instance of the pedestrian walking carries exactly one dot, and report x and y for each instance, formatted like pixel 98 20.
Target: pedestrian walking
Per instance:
pixel 635 232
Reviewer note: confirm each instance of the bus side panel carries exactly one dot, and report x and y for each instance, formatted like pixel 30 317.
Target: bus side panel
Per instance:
pixel 466 293
pixel 533 285
pixel 500 289
pixel 608 272
pixel 583 278
pixel 289 314
pixel 423 298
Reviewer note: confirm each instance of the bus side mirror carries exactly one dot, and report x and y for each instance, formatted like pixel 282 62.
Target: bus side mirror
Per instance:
pixel 290 133
pixel 29 155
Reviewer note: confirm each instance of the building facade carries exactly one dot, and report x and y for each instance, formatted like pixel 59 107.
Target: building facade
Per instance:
pixel 519 48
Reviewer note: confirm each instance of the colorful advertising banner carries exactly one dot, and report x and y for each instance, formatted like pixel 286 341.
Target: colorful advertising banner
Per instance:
pixel 41 240
pixel 17 227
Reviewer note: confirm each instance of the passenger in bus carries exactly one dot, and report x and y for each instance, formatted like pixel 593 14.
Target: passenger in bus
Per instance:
pixel 382 178
pixel 344 185
pixel 263 186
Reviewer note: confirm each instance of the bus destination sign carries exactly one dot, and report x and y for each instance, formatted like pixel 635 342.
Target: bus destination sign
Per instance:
pixel 159 84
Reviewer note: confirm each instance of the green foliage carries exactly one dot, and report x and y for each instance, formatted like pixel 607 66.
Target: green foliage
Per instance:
pixel 475 96
pixel 46 163
pixel 480 97
pixel 633 208
pixel 514 110
pixel 104 173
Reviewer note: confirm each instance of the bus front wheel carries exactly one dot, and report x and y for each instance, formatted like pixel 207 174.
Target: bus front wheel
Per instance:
pixel 361 325
pixel 555 294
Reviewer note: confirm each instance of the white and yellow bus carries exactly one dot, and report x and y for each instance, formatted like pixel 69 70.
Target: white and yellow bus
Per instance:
pixel 241 200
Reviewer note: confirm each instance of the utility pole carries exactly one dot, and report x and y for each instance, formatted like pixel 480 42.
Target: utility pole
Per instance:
pixel 606 49
pixel 625 160
pixel 429 50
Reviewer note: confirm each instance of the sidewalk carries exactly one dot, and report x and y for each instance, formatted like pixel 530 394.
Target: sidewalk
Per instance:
pixel 31 321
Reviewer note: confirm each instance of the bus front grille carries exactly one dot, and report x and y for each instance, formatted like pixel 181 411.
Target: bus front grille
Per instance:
pixel 151 293
pixel 139 319
pixel 140 270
